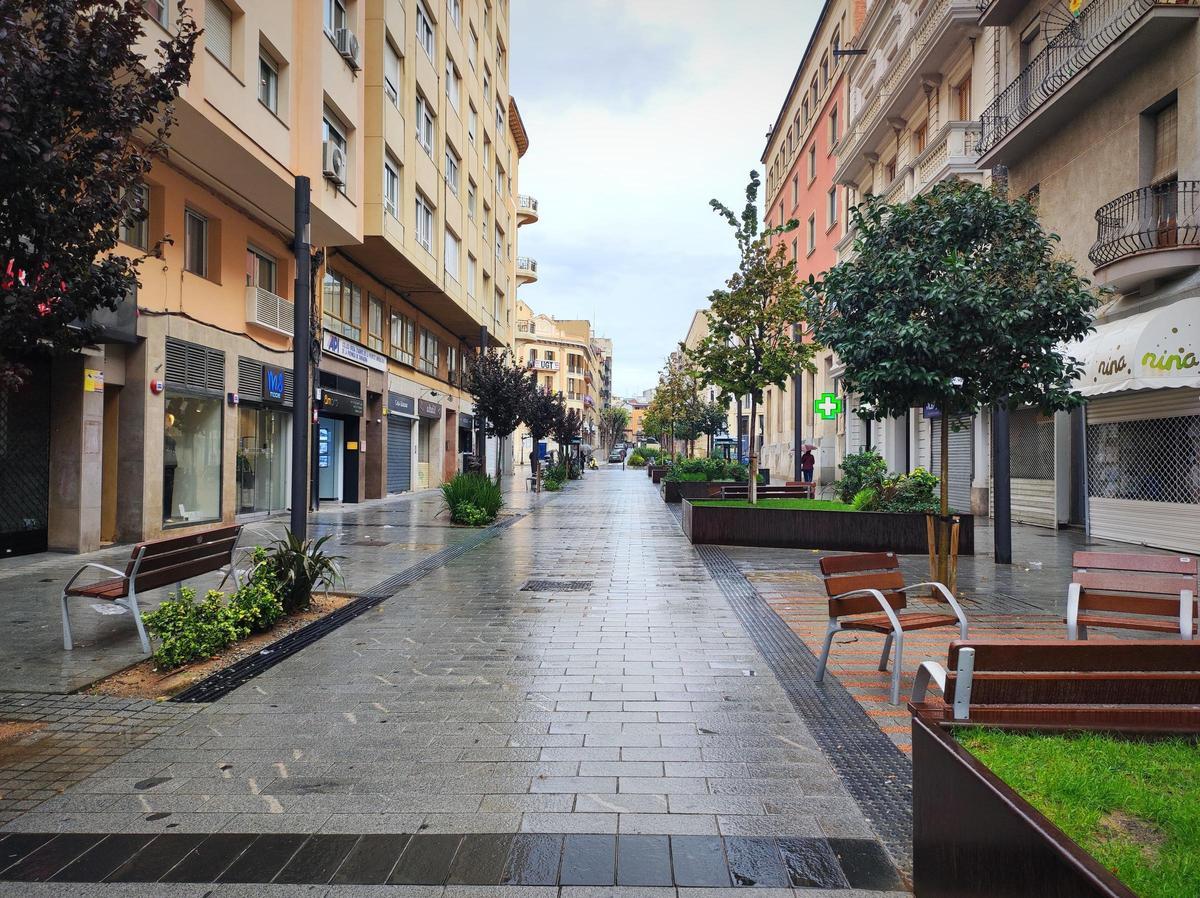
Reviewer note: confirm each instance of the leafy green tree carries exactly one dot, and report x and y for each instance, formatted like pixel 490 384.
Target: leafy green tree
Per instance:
pixel 83 114
pixel 567 426
pixel 955 298
pixel 713 418
pixel 497 384
pixel 614 421
pixel 750 344
pixel 540 411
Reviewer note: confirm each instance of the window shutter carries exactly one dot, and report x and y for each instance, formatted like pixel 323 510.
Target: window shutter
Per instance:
pixel 250 379
pixel 195 367
pixel 218 31
pixel 1166 144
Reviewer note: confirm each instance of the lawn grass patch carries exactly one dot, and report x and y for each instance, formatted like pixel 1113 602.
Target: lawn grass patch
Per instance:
pixel 1133 805
pixel 790 504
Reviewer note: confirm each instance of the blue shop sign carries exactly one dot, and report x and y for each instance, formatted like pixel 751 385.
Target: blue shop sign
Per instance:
pixel 273 384
pixel 929 410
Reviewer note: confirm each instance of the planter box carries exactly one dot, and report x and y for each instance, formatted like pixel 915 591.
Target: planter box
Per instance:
pixel 973 835
pixel 844 531
pixel 674 492
pixel 657 473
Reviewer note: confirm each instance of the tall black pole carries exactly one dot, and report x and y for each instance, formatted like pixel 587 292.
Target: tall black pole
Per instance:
pixel 480 423
pixel 1001 486
pixel 797 415
pixel 739 430
pixel 301 404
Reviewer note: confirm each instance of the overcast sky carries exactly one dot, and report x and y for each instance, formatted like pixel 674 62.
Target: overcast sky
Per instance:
pixel 639 112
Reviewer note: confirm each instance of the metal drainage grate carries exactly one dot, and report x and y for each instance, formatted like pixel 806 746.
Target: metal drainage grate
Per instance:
pixel 557 586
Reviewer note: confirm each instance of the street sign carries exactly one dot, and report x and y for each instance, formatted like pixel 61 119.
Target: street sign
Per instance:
pixel 828 406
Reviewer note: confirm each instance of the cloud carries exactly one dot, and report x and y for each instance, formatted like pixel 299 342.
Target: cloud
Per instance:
pixel 639 112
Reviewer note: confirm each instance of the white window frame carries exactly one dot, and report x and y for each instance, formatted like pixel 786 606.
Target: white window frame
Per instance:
pixel 831 207
pixel 426 128
pixel 453 84
pixel 269 84
pixel 472 123
pixel 812 233
pixel 391 186
pixel 472 197
pixel 472 274
pixel 426 38
pixel 192 218
pixel 455 8
pixel 452 261
pixel 332 10
pixel 137 233
pixel 391 80
pixel 453 168
pixel 424 222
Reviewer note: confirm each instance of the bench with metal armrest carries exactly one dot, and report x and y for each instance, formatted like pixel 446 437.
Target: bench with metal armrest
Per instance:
pixel 1132 591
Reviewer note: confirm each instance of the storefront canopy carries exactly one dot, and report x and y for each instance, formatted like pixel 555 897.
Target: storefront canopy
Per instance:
pixel 1148 351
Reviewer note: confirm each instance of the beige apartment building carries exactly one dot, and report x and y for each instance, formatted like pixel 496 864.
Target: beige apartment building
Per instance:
pixel 569 359
pixel 915 96
pixel 697 331
pixel 1095 119
pixel 400 116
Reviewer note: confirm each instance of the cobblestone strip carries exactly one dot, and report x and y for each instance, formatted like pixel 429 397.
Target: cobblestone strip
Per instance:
pixel 70 737
pixel 875 772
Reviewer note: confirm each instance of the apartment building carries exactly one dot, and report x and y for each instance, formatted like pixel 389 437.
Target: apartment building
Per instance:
pixel 800 160
pixel 567 358
pixel 697 331
pixel 915 91
pixel 1094 119
pixel 399 114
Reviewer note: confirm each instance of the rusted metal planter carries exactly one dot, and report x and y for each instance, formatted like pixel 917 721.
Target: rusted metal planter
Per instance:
pixel 974 835
pixel 795 528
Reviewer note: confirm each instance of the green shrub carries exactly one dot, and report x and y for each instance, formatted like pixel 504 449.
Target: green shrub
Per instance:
pixel 649 453
pixel 686 477
pixel 860 471
pixel 471 514
pixel 553 484
pixel 864 499
pixel 256 605
pixel 299 567
pixel 474 489
pixel 636 459
pixel 189 630
pixel 916 492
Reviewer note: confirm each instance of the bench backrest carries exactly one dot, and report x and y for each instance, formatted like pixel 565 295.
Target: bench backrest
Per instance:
pixel 173 560
pixel 1056 682
pixel 1134 583
pixel 870 570
pixel 764 490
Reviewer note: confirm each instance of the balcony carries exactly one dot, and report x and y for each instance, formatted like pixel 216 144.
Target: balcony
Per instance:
pixel 1147 234
pixel 526 326
pixel 527 210
pixel 951 152
pixel 526 270
pixel 931 42
pixel 1078 67
pixel 267 310
pixel 1000 12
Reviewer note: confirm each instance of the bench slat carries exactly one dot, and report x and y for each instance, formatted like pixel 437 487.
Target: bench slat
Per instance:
pixel 1133 561
pixel 1094 654
pixel 884 581
pixel 1128 688
pixel 1107 601
pixel 1059 717
pixel 866 561
pixel 1121 581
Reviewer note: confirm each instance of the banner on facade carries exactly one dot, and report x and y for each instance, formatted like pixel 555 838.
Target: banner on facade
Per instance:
pixel 360 355
pixel 1148 351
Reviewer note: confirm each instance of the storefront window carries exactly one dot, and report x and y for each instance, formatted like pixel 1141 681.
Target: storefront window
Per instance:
pixel 1145 460
pixel 262 459
pixel 192 460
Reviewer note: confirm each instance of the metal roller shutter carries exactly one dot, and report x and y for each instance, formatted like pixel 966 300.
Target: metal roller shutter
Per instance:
pixel 962 459
pixel 1031 468
pixel 399 454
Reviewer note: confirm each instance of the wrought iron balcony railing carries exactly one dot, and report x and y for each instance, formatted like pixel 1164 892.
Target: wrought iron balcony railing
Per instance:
pixel 1100 24
pixel 1165 216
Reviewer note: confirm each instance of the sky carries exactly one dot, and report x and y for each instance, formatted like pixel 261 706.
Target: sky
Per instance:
pixel 639 112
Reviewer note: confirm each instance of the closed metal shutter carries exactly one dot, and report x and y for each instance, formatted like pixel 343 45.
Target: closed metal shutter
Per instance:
pixel 962 459
pixel 218 31
pixel 399 454
pixel 194 366
pixel 1031 468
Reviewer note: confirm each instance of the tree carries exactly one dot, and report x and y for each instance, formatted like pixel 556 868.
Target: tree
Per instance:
pixel 567 426
pixel 497 383
pixel 614 421
pixel 956 299
pixel 750 344
pixel 713 419
pixel 540 410
pixel 82 116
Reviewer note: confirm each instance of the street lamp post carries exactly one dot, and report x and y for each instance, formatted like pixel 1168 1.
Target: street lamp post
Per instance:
pixel 301 406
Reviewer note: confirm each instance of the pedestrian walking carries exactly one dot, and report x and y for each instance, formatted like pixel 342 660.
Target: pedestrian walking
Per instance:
pixel 808 461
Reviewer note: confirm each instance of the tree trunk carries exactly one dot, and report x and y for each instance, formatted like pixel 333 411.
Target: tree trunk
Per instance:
pixel 943 527
pixel 499 458
pixel 752 483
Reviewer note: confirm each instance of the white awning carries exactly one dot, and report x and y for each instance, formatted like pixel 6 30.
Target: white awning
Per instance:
pixel 1148 351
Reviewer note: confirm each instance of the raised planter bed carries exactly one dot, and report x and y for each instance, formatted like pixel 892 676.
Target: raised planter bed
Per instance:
pixel 974 835
pixel 658 472
pixel 676 491
pixel 794 528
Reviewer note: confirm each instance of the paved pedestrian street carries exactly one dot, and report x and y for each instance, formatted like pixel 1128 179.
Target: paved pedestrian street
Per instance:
pixel 571 705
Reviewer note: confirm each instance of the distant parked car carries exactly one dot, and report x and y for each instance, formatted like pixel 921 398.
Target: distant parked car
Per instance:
pixel 616 456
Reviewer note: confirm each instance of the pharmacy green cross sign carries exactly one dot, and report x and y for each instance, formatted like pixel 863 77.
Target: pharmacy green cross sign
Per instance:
pixel 828 406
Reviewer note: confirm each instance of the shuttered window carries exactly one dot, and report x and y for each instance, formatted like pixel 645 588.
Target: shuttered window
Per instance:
pixel 1166 144
pixel 218 31
pixel 195 367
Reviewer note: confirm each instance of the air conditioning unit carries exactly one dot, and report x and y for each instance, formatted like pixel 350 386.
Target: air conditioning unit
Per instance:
pixel 333 162
pixel 347 45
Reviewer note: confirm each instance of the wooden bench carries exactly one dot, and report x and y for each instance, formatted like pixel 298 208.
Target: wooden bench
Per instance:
pixel 867 593
pixel 765 491
pixel 155 564
pixel 1123 684
pixel 1154 593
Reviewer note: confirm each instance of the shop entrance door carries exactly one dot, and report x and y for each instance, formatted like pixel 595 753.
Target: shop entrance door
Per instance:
pixel 24 464
pixel 329 459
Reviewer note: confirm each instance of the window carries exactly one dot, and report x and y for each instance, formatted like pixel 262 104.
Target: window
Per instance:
pixel 218 31
pixel 501 56
pixel 195 243
pixel 487 15
pixel 920 135
pixel 812 233
pixel 424 124
pixel 499 181
pixel 431 356
pixel 497 304
pixel 157 10
pixel 375 323
pixel 812 162
pixel 472 123
pixel 452 169
pixel 424 222
pixel 135 229
pixel 453 84
pixel 487 84
pixel 486 220
pixel 890 171
pixel 824 69
pixel 335 16
pixel 499 247
pixel 391 73
pixel 499 118
pixel 834 127
pixel 268 82
pixel 453 254
pixel 455 7
pixel 192 450
pixel 471 198
pixel 963 94
pixel 814 92
pixel 1166 151
pixel 402 337
pixel 472 274
pixel 795 251
pixel 391 186
pixel 832 207
pixel 795 191
pixel 473 47
pixel 804 111
pixel 260 270
pixel 836 44
pixel 424 30
pixel 452 363
pixel 487 153
pixel 341 305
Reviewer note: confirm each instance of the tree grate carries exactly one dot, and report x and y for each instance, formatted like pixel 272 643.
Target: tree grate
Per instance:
pixel 557 586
